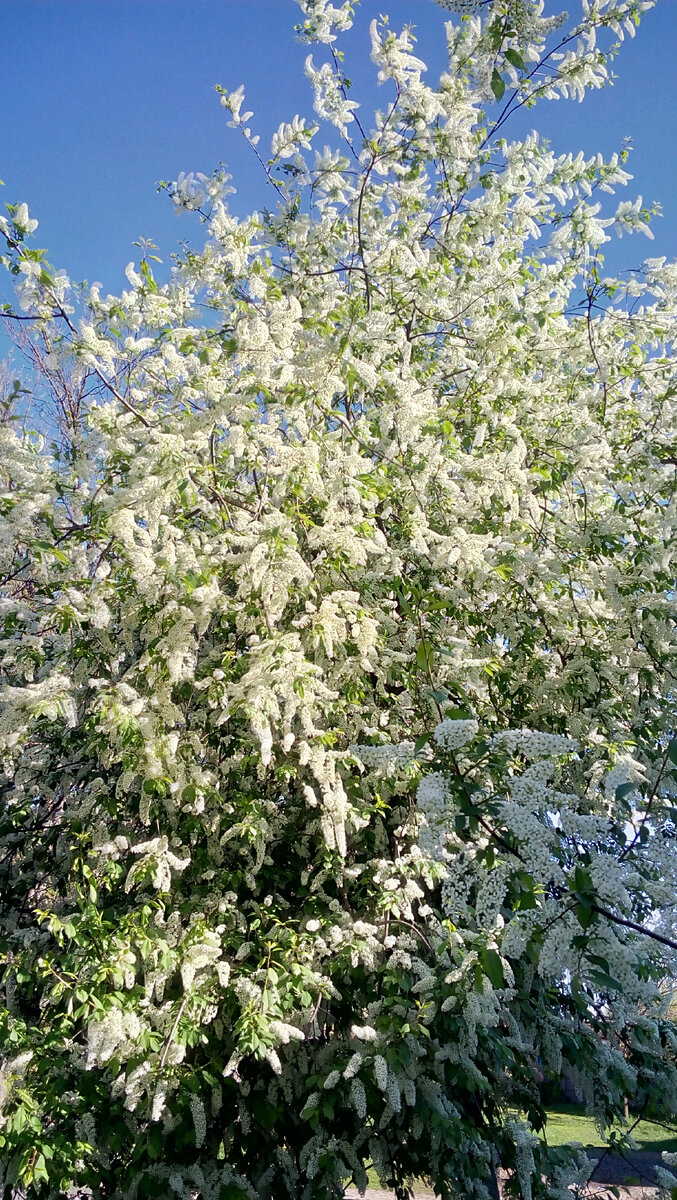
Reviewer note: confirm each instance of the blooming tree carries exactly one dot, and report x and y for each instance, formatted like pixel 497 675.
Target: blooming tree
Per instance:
pixel 339 657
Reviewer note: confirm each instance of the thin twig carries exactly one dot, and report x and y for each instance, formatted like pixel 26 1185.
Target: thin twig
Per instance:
pixel 650 933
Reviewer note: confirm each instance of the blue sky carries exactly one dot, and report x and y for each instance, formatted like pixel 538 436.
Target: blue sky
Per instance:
pixel 100 99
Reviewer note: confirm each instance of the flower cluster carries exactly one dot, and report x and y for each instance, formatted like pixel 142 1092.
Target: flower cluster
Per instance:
pixel 535 745
pixel 431 799
pixel 193 191
pixel 452 734
pixel 388 756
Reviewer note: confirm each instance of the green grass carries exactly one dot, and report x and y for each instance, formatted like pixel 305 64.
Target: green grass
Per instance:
pixel 568 1123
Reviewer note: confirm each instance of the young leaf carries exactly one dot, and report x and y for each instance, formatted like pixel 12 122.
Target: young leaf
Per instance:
pixel 497 84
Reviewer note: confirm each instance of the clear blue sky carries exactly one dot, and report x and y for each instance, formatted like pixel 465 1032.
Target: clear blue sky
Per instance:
pixel 100 99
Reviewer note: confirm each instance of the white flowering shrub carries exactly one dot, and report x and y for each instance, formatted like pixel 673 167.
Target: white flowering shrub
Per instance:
pixel 337 707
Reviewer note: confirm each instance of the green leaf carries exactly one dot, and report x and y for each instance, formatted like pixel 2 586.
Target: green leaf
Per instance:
pixel 496 33
pixel 581 885
pixel 497 85
pixel 672 751
pixel 493 967
pixel 422 656
pixel 40 1168
pixel 624 790
pixel 604 981
pixel 148 275
pixel 47 548
pixel 513 56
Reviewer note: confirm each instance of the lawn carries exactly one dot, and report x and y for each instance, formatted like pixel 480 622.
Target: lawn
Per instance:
pixel 568 1123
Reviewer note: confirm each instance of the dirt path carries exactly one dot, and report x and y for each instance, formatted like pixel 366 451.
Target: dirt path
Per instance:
pixel 632 1170
pixel 633 1178
pixel 595 1191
